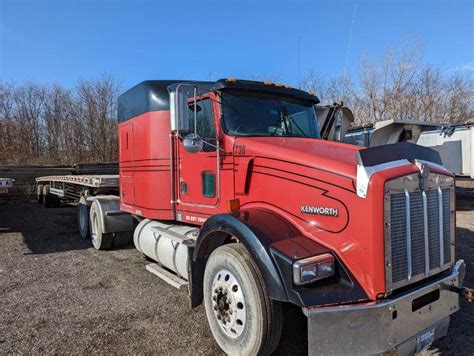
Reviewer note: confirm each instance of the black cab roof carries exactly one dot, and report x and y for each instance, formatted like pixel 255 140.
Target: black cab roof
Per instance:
pixel 153 95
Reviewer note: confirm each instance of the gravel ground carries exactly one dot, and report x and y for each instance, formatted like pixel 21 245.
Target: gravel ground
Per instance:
pixel 59 295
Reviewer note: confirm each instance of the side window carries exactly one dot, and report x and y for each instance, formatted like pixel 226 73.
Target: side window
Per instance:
pixel 205 123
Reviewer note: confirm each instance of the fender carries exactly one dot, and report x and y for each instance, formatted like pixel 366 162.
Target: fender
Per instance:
pixel 112 219
pixel 257 229
pixel 274 244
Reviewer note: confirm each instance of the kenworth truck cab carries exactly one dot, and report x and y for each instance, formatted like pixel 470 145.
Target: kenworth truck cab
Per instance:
pixel 232 192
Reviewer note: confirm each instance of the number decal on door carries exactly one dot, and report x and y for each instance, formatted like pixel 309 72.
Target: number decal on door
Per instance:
pixel 239 150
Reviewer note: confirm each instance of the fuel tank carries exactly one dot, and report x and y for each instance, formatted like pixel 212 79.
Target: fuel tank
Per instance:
pixel 166 244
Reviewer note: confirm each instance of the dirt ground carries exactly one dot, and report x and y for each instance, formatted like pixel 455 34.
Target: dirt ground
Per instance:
pixel 59 295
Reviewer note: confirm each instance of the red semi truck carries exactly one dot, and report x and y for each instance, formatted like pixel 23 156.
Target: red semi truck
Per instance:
pixel 229 188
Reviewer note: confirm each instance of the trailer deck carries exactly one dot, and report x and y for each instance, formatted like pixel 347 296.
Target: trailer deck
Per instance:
pixel 94 181
pixel 71 187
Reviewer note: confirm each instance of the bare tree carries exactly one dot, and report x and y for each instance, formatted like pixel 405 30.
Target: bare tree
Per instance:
pixel 398 86
pixel 51 124
pixel 97 100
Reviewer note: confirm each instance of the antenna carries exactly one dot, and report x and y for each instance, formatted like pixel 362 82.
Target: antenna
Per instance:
pixel 350 40
pixel 299 66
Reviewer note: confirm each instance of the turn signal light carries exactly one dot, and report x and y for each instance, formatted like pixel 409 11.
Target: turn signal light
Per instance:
pixel 313 268
pixel 233 205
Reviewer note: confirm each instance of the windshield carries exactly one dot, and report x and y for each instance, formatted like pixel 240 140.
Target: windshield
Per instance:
pixel 259 114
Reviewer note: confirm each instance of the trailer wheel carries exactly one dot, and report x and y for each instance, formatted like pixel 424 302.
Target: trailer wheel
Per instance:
pixel 242 318
pixel 100 240
pixel 83 216
pixel 39 193
pixel 56 201
pixel 47 197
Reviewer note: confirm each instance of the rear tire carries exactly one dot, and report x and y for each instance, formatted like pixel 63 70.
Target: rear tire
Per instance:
pixel 235 292
pixel 83 217
pixel 100 240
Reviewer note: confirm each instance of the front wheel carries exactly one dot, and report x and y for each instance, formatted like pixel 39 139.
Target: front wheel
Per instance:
pixel 242 318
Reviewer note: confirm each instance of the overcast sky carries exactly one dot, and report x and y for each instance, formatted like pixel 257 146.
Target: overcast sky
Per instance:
pixel 61 41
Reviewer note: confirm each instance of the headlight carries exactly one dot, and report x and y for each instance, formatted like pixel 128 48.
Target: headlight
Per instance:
pixel 313 268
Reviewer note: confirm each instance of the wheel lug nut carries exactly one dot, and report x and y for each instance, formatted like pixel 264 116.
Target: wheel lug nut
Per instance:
pixel 214 298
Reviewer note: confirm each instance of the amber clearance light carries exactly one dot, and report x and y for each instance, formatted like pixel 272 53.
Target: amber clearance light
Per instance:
pixel 233 205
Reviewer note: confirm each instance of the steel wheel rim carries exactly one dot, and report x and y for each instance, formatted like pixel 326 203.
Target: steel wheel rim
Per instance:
pixel 228 303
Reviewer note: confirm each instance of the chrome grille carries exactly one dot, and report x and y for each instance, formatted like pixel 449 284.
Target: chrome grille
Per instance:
pixel 433 229
pixel 419 231
pixel 398 232
pixel 446 225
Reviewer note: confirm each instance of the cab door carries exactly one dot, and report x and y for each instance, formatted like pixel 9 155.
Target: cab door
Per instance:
pixel 198 173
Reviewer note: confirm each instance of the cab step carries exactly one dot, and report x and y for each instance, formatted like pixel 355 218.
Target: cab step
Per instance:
pixel 166 275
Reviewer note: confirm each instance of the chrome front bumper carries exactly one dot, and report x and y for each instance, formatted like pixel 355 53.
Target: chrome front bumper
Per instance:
pixel 388 325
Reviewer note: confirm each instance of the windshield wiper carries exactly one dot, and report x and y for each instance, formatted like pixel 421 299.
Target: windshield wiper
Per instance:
pixel 293 122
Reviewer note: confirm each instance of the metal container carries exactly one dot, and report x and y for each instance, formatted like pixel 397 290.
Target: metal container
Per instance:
pixel 165 244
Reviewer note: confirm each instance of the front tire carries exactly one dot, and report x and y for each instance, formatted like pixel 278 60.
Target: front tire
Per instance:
pixel 242 318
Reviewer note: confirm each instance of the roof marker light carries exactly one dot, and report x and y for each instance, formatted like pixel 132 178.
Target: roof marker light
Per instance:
pixel 278 85
pixel 232 80
pixel 267 83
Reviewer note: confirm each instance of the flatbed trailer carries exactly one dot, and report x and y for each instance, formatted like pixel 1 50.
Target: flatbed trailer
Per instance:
pixel 53 189
pixel 83 190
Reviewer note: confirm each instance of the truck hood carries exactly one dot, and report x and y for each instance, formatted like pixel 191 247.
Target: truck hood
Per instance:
pixel 332 157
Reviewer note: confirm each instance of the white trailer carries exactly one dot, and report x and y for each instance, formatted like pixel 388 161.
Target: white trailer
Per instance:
pixel 98 208
pixel 455 145
pixel 388 131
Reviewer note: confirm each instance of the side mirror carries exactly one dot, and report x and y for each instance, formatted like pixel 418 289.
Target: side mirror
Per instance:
pixel 193 143
pixel 180 108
